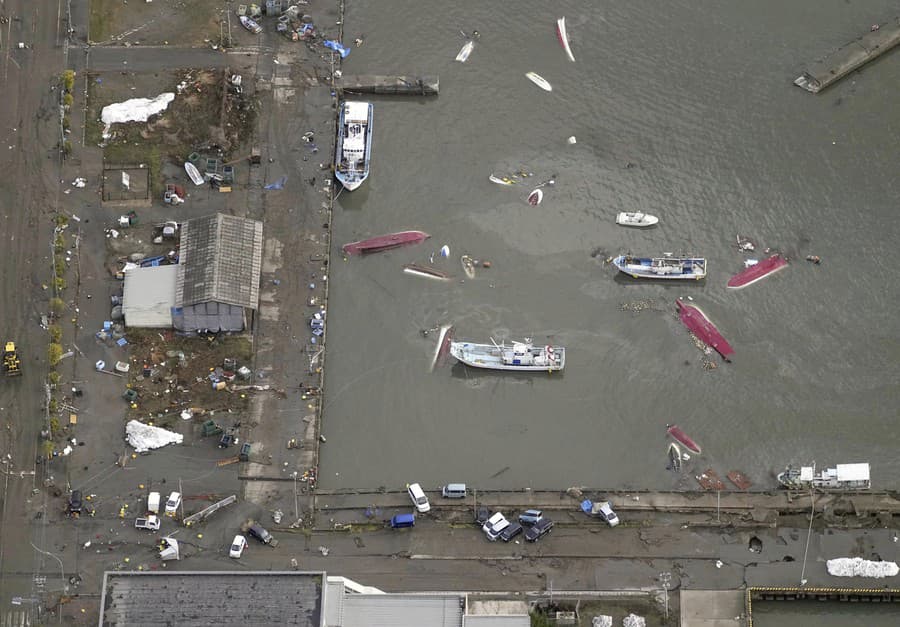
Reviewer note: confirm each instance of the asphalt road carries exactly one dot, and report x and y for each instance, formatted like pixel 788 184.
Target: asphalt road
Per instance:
pixel 29 160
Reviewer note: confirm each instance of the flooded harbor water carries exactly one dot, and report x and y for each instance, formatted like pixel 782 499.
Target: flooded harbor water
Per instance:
pixel 823 614
pixel 684 110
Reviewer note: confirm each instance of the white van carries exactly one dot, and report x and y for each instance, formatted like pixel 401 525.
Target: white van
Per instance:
pixel 417 495
pixel 454 491
pixel 173 503
pixel 153 502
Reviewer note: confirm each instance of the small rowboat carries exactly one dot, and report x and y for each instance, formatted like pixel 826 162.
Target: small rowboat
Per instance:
pixel 637 219
pixel 468 266
pixel 465 51
pixel 563 37
pixel 757 272
pixel 674 454
pixel 193 172
pixel 539 80
pixel 535 197
pixel 682 437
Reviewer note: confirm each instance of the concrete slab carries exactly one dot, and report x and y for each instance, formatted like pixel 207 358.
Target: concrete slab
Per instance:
pixel 711 608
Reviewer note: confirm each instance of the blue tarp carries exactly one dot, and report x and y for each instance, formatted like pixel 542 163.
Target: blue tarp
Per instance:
pixel 337 47
pixel 586 506
pixel 279 184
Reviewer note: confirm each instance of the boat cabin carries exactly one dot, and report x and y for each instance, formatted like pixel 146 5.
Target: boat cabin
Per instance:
pixel 353 148
pixel 524 355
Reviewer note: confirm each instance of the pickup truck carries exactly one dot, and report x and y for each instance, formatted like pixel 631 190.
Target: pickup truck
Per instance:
pixel 150 522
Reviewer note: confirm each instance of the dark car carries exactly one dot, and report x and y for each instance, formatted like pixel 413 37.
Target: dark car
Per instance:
pixel 538 529
pixel 258 532
pixel 481 516
pixel 511 532
pixel 75 504
pixel 530 516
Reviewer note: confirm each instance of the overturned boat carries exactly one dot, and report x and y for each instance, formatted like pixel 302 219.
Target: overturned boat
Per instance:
pixel 841 477
pixel 665 267
pixel 520 356
pixel 384 242
pixel 563 37
pixel 682 437
pixel 428 272
pixel 701 326
pixel 757 272
pixel 354 144
pixel 636 218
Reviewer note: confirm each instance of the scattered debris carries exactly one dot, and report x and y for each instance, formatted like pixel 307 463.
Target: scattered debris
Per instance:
pixel 858 567
pixel 814 259
pixel 146 437
pixel 337 47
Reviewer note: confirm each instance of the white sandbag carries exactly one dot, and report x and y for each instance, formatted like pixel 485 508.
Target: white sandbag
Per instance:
pixel 146 437
pixel 633 620
pixel 858 567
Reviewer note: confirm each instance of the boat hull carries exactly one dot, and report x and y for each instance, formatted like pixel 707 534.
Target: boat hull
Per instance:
pixel 563 37
pixel 417 269
pixel 353 150
pixel 491 357
pixel 465 51
pixel 539 80
pixel 384 242
pixel 683 438
pixel 662 268
pixel 701 326
pixel 757 272
pixel 535 197
pixel 639 220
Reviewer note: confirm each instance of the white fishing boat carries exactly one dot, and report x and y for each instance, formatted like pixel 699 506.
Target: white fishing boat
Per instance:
pixel 636 219
pixel 193 172
pixel 250 25
pixel 564 38
pixel 539 80
pixel 519 356
pixel 465 51
pixel 841 477
pixel 354 144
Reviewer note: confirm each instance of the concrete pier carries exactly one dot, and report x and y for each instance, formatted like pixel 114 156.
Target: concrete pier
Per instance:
pixel 850 57
pixel 392 85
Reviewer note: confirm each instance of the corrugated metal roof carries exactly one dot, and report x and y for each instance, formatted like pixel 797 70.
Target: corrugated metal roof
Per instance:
pixel 402 610
pixel 199 599
pixel 482 620
pixel 149 296
pixel 333 604
pixel 220 260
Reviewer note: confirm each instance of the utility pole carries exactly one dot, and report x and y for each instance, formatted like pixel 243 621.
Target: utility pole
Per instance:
pixel 664 579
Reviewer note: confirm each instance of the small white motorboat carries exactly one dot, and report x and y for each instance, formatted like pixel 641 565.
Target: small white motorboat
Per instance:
pixel 194 173
pixel 465 51
pixel 636 219
pixel 539 80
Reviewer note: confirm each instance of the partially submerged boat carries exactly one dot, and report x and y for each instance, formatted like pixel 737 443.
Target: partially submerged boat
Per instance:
pixel 465 51
pixel 250 25
pixel 354 144
pixel 674 455
pixel 666 267
pixel 468 266
pixel 637 219
pixel 520 356
pixel 682 437
pixel 535 197
pixel 385 242
pixel 539 80
pixel 442 348
pixel 701 326
pixel 563 37
pixel 417 269
pixel 841 477
pixel 757 272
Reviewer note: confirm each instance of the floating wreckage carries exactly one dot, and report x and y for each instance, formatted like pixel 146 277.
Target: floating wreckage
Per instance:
pixel 700 325
pixel 417 269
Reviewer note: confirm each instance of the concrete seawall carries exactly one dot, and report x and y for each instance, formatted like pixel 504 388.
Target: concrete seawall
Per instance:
pixel 850 57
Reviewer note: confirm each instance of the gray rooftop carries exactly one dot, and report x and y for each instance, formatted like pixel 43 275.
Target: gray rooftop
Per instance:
pixel 402 610
pixel 186 599
pixel 220 260
pixel 149 296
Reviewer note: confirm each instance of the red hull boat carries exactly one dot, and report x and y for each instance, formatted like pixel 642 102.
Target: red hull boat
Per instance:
pixel 676 432
pixel 757 272
pixel 695 320
pixel 385 242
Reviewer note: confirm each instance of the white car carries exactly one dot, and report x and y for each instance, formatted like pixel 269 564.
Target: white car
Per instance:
pixel 418 497
pixel 237 546
pixel 494 525
pixel 173 503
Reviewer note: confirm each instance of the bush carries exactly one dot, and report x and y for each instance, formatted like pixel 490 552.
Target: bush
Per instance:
pixel 60 283
pixel 57 306
pixel 68 79
pixel 61 220
pixel 59 266
pixel 55 333
pixel 54 353
pixel 68 100
pixel 67 123
pixel 59 243
pixel 53 377
pixel 54 422
pixel 53 407
pixel 47 447
pixel 67 148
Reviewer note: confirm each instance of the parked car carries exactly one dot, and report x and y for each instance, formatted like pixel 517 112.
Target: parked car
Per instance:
pixel 530 516
pixel 494 526
pixel 418 497
pixel 511 531
pixel 75 503
pixel 237 546
pixel 538 530
pixel 604 511
pixel 481 516
pixel 454 491
pixel 257 531
pixel 173 503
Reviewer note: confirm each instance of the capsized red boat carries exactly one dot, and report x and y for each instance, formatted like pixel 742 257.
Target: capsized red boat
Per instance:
pixel 695 320
pixel 757 272
pixel 385 242
pixel 676 432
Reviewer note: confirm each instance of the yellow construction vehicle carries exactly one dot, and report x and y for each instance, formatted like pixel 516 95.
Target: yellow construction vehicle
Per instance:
pixel 11 364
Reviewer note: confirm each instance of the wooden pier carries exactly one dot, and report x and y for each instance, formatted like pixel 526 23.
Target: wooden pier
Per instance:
pixel 850 57
pixel 390 85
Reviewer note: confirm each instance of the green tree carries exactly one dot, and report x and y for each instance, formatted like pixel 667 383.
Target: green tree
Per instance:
pixel 54 353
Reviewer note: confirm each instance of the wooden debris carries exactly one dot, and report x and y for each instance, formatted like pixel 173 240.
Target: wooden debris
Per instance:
pixel 739 479
pixel 710 480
